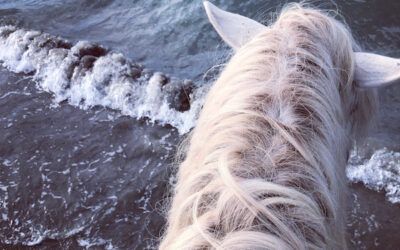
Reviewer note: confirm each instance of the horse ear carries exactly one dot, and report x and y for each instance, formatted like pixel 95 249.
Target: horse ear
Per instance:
pixel 374 71
pixel 234 29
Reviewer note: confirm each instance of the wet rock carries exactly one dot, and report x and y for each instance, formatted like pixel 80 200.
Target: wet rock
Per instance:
pixel 62 44
pixel 182 100
pixel 57 43
pixel 70 69
pixel 87 62
pixel 42 40
pixel 178 95
pixel 135 72
pixel 92 50
pixel 50 42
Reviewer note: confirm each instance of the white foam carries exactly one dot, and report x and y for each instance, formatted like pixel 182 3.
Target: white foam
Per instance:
pixel 108 83
pixel 380 172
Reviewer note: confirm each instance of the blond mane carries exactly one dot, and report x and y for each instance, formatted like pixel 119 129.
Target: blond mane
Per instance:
pixel 264 167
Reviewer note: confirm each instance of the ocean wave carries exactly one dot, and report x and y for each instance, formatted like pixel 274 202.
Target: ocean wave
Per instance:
pixel 86 74
pixel 381 172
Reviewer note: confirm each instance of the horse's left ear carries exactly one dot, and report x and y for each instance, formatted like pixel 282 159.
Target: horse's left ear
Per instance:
pixel 235 30
pixel 373 71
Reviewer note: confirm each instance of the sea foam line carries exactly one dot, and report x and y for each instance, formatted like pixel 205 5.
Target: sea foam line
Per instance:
pixel 86 74
pixel 381 172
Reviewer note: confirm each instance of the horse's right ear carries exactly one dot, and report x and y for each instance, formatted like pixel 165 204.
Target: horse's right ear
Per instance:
pixel 374 71
pixel 234 29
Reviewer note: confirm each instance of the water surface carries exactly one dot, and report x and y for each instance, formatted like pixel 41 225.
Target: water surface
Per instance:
pixel 91 168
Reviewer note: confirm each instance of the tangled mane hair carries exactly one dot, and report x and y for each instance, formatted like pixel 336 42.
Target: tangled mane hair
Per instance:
pixel 264 167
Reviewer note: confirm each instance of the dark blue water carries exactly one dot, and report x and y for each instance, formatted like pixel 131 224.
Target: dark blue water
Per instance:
pixel 78 174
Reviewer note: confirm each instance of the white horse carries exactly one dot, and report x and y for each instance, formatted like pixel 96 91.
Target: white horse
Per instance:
pixel 264 167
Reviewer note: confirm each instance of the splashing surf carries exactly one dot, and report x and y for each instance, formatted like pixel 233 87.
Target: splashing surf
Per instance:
pixel 86 74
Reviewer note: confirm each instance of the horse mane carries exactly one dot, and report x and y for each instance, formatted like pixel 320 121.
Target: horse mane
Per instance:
pixel 264 167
